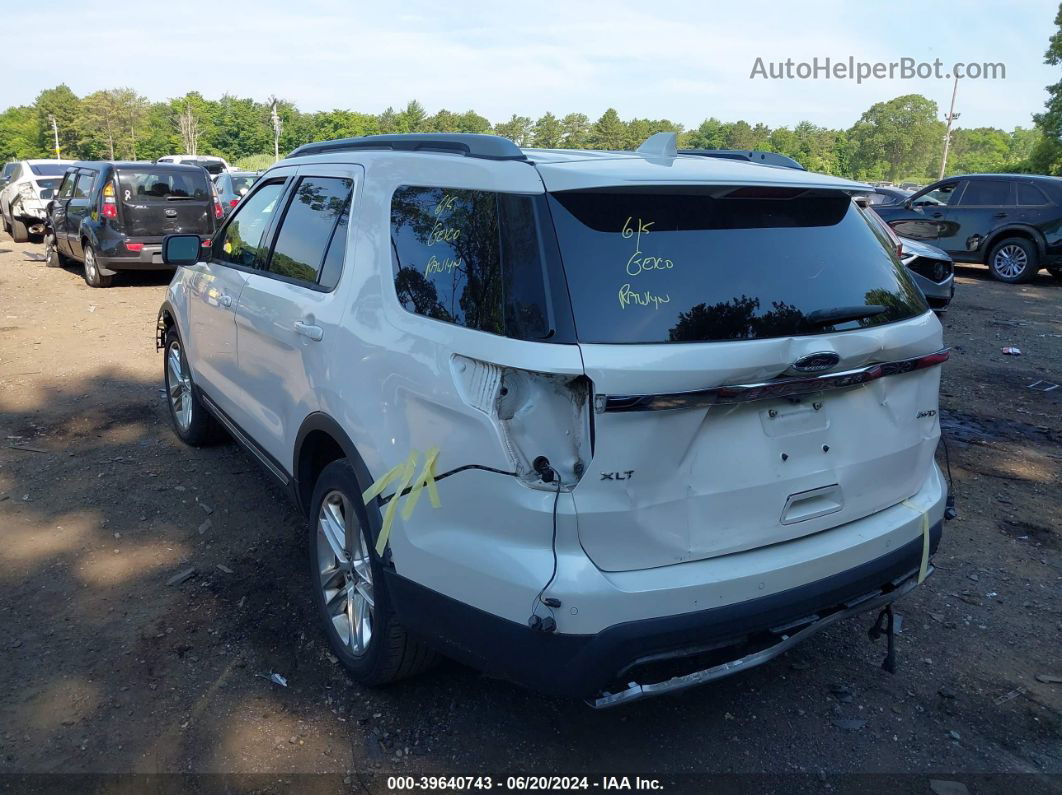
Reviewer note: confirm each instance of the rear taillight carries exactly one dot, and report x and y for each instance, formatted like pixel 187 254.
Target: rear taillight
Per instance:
pixel 134 247
pixel 108 208
pixel 206 243
pixel 219 211
pixel 233 202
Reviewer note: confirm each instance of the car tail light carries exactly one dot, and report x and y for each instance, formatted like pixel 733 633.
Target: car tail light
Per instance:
pixel 206 243
pixel 233 202
pixel 109 208
pixel 134 247
pixel 219 211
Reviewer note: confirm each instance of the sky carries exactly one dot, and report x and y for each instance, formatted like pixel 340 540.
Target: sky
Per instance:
pixel 659 59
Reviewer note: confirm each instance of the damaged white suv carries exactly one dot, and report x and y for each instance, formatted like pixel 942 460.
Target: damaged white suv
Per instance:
pixel 606 424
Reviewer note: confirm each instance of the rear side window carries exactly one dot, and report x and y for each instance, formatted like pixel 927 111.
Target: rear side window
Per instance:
pixel 657 267
pixel 241 239
pixel 161 184
pixel 316 207
pixel 83 187
pixel 1030 195
pixel 472 258
pixel 987 192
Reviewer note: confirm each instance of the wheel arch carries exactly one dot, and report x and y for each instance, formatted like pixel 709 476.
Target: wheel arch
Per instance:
pixel 167 319
pixel 1028 232
pixel 320 441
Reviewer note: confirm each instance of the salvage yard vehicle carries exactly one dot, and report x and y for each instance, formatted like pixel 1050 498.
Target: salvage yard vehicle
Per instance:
pixel 607 424
pixel 29 185
pixel 214 165
pixel 112 216
pixel 932 269
pixel 1010 222
pixel 233 186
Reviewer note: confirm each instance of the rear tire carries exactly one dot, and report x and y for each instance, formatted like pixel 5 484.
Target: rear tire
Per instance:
pixel 93 277
pixel 19 232
pixel 349 591
pixel 192 423
pixel 1014 260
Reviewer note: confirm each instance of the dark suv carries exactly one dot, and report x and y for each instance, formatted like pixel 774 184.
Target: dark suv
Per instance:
pixel 112 216
pixel 1010 222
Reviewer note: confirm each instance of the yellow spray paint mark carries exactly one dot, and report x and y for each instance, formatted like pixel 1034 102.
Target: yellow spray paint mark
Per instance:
pixel 402 474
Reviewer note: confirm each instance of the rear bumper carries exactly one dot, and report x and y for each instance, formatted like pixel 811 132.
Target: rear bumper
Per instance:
pixel 149 258
pixel 645 657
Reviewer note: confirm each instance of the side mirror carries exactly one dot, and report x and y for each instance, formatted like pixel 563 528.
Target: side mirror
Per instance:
pixel 181 249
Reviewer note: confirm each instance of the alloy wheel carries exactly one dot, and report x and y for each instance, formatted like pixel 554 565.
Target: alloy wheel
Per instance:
pixel 345 570
pixel 90 266
pixel 1011 261
pixel 179 386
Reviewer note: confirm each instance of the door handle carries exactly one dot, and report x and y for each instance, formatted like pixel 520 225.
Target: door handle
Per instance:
pixel 225 300
pixel 1000 215
pixel 315 333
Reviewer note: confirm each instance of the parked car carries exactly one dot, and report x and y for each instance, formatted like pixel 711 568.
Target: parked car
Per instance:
pixel 607 426
pixel 28 186
pixel 233 186
pixel 887 196
pixel 112 216
pixel 1010 222
pixel 932 269
pixel 214 165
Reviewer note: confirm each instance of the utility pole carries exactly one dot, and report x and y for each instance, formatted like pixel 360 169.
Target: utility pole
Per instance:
pixel 275 116
pixel 55 132
pixel 950 116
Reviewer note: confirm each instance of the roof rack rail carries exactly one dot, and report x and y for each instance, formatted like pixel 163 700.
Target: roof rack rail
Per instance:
pixel 489 147
pixel 751 155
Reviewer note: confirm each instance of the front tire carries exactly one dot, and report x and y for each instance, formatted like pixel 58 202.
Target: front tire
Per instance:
pixel 349 591
pixel 192 423
pixel 1014 260
pixel 93 277
pixel 52 257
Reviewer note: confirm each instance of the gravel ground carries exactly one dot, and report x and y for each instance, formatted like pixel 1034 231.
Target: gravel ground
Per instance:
pixel 107 668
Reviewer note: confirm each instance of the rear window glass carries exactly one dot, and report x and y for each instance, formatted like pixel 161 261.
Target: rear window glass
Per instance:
pixel 647 267
pixel 471 258
pixel 151 185
pixel 49 169
pixel 240 185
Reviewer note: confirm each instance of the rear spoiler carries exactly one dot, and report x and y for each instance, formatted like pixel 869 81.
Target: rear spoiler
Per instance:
pixel 751 155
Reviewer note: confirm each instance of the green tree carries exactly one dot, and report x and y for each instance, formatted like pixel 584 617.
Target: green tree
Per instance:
pixel 472 122
pixel 711 134
pixel 608 132
pixel 412 118
pixel 978 149
pixel 548 132
pixel 896 139
pixel 62 104
pixel 517 129
pixel 576 130
pixel 1046 156
pixel 19 133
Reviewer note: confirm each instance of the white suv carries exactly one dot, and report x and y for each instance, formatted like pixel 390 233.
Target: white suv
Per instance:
pixel 28 186
pixel 606 424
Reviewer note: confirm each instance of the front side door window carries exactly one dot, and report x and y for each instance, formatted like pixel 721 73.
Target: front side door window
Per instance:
pixel 241 241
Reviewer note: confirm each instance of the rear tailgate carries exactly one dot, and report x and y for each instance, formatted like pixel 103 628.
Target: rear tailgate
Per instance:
pixel 158 200
pixel 676 294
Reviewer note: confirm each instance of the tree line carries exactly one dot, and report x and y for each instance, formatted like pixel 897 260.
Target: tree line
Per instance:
pixel 896 140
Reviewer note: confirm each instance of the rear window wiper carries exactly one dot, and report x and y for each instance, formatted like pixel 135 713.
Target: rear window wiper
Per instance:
pixel 171 197
pixel 842 314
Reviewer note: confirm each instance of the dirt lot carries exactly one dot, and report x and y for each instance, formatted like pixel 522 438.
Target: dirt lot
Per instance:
pixel 107 669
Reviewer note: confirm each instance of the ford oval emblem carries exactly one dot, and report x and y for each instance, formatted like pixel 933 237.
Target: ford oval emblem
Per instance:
pixel 816 362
